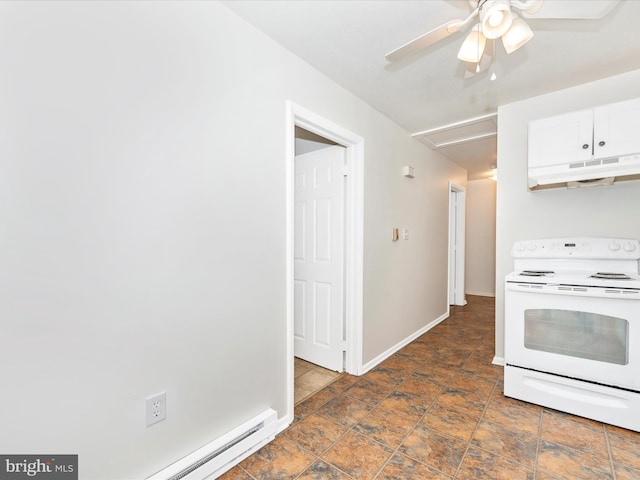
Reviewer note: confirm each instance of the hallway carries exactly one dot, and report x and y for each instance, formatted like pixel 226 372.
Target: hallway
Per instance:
pixel 435 410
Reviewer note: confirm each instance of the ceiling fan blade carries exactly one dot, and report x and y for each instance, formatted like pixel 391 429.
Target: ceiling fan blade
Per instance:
pixel 528 6
pixel 571 9
pixel 426 40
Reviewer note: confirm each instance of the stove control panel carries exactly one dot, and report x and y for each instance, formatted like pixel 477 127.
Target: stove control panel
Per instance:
pixel 578 247
pixel 627 246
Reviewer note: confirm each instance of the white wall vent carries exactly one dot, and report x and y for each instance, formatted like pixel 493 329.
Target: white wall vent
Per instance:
pixel 222 454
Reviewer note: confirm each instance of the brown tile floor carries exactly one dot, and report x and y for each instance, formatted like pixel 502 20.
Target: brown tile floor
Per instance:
pixel 435 410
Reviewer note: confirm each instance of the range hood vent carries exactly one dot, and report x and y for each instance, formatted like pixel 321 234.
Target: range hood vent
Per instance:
pixel 596 172
pixel 596 182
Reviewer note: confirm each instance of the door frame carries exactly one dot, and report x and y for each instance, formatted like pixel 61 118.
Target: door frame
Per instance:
pixel 354 236
pixel 456 251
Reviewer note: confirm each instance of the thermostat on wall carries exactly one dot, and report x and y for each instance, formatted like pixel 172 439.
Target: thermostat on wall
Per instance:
pixel 408 171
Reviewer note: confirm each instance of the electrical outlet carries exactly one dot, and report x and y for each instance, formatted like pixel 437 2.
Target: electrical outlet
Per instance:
pixel 156 408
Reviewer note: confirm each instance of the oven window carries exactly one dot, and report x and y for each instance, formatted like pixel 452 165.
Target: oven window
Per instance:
pixel 577 334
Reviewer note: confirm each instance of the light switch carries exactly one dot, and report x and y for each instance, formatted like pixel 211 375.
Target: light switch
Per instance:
pixel 405 234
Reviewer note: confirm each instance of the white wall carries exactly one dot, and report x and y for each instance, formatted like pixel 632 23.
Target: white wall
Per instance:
pixel 404 281
pixel 480 238
pixel 522 215
pixel 143 230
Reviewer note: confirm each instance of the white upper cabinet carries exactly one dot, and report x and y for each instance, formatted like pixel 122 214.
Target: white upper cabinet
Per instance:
pixel 561 139
pixel 616 129
pixel 602 132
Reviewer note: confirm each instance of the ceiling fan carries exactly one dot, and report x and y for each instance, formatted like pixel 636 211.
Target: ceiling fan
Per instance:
pixel 502 19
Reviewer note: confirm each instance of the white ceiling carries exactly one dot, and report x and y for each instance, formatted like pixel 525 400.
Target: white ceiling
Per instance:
pixel 348 41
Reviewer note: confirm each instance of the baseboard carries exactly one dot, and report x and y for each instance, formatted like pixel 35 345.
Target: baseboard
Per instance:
pixel 498 361
pixel 398 346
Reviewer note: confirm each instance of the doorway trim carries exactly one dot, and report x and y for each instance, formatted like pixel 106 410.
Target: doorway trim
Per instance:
pixel 457 198
pixel 354 235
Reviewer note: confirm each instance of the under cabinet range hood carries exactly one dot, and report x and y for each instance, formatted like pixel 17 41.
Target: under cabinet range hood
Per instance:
pixel 585 148
pixel 584 174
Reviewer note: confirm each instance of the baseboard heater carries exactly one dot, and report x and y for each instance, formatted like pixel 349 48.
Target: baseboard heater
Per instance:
pixel 217 457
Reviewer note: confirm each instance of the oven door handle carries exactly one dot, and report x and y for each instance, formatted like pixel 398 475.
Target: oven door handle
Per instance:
pixel 573 290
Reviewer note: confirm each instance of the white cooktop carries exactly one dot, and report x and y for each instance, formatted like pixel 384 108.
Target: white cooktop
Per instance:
pixel 573 261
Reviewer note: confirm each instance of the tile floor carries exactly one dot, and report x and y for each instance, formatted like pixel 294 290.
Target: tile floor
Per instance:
pixel 309 379
pixel 435 410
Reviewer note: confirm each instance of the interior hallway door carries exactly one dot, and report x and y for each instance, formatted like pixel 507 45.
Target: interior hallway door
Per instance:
pixel 319 257
pixel 457 207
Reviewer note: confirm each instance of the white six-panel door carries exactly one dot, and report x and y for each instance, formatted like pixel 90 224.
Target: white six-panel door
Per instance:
pixel 319 257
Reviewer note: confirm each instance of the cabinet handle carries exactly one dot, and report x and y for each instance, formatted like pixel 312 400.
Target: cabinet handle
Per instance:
pixel 601 143
pixel 585 146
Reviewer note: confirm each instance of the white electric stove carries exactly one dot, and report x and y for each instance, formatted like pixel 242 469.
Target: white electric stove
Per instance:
pixel 572 327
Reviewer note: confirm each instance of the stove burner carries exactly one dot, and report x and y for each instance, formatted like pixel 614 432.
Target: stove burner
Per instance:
pixel 611 276
pixel 536 273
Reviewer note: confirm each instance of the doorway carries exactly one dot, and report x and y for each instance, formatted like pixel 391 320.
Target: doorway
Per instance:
pixel 351 338
pixel 318 263
pixel 457 203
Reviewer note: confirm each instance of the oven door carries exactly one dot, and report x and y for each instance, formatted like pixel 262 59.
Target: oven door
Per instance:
pixel 586 333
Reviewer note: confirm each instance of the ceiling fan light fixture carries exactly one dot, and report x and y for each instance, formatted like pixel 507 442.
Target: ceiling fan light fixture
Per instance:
pixel 495 18
pixel 519 34
pixel 473 46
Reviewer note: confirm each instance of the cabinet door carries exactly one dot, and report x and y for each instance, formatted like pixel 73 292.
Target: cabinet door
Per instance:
pixel 616 129
pixel 561 139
